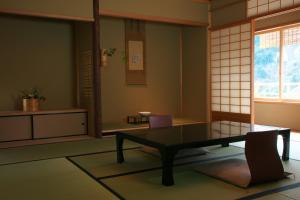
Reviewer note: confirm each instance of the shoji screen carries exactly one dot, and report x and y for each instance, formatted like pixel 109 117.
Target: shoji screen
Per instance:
pixel 231 73
pixel 258 7
pixel 222 128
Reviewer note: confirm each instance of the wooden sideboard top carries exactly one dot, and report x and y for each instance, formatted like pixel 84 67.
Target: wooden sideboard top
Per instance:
pixel 41 112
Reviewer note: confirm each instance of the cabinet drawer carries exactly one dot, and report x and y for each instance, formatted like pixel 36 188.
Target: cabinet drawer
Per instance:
pixel 15 128
pixel 57 125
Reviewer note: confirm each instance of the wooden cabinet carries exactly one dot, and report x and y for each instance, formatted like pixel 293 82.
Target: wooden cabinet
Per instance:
pixel 42 124
pixel 15 128
pixel 57 125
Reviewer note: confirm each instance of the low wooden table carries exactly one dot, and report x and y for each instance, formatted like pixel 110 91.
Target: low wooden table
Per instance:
pixel 169 141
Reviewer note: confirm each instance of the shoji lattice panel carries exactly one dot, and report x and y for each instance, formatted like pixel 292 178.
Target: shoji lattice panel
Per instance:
pixel 85 75
pixel 231 69
pixel 223 129
pixel 258 7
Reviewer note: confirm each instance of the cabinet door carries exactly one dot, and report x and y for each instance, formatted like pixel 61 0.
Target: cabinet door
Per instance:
pixel 15 128
pixel 58 125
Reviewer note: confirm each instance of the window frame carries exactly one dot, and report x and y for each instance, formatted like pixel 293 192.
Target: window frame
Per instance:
pixel 279 99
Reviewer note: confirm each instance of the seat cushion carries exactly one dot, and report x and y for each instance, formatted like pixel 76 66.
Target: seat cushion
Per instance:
pixel 184 153
pixel 234 171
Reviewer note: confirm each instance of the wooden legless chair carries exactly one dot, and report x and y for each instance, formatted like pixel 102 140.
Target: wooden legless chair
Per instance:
pixel 160 121
pixel 157 121
pixel 263 158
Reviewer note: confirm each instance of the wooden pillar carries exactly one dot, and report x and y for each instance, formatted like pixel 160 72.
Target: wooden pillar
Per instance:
pixel 96 70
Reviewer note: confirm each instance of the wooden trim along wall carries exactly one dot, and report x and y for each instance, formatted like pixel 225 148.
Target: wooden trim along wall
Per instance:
pixel 281 25
pixel 181 72
pixel 45 15
pixel 252 70
pixel 201 1
pixel 110 13
pixel 96 71
pixel 208 50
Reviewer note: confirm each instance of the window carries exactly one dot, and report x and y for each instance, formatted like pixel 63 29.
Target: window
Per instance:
pixel 277 64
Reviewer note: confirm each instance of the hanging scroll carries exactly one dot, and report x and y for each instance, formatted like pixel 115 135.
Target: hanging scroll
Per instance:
pixel 135 52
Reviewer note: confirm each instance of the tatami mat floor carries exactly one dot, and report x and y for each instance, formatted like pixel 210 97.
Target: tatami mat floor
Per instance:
pixel 88 170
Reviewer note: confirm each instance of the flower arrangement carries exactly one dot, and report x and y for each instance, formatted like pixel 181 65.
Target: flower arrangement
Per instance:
pixel 31 99
pixel 33 93
pixel 109 52
pixel 105 53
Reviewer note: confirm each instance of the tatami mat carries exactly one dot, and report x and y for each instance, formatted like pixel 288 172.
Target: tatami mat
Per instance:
pixel 274 197
pixel 105 164
pixel 90 171
pixel 188 185
pixel 293 193
pixel 294 148
pixel 188 182
pixel 48 180
pixel 56 150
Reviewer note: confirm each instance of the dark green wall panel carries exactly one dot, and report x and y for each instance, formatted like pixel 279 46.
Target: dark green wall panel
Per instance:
pixel 194 73
pixel 59 8
pixel 36 53
pixel 228 11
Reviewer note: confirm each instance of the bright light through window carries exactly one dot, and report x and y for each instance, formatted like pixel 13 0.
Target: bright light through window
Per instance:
pixel 266 62
pixel 291 64
pixel 277 64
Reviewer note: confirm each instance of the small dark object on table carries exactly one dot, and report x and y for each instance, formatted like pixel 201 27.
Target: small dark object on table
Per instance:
pixel 137 119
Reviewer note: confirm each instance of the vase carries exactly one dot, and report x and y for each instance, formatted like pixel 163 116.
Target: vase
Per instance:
pixel 31 105
pixel 35 105
pixel 104 58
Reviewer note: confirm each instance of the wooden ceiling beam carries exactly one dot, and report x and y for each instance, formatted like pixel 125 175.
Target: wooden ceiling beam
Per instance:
pixel 202 1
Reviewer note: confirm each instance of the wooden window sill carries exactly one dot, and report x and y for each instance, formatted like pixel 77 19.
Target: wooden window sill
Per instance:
pixel 269 101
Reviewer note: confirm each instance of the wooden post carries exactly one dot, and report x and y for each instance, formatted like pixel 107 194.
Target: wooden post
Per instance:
pixel 96 70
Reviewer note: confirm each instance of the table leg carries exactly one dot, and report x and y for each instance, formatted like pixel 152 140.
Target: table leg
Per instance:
pixel 225 144
pixel 119 141
pixel 167 158
pixel 286 145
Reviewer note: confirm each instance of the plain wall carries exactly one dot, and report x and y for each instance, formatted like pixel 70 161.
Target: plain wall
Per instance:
pixel 170 9
pixel 278 114
pixel 36 53
pixel 83 9
pixel 53 8
pixel 194 73
pixel 227 12
pixel 161 94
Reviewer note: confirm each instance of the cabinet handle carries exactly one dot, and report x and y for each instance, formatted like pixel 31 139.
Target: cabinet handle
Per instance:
pixel 82 123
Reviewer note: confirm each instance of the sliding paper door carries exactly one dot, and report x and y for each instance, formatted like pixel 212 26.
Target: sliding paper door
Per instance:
pixel 231 73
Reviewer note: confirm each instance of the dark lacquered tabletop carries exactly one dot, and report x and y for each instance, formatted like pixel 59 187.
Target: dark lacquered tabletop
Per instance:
pixel 198 132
